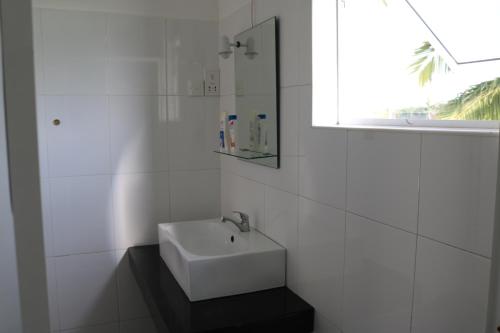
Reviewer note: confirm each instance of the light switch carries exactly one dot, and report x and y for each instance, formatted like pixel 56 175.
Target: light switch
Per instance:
pixel 212 83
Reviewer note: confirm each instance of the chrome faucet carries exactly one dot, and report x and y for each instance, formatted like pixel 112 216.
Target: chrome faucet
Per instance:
pixel 244 225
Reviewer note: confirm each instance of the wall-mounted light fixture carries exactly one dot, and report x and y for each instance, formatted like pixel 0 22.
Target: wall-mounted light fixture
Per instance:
pixel 250 52
pixel 226 47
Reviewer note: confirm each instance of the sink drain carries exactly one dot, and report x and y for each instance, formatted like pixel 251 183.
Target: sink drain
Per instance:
pixel 232 239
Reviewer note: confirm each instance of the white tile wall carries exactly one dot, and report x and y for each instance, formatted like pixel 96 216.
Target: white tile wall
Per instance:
pixel 284 179
pixel 241 194
pixel 457 204
pixel 228 7
pixel 192 122
pixel 292 23
pixel 322 161
pixel 138 134
pixel 321 258
pixel 73 52
pixel 281 219
pixel 282 225
pixel 451 290
pixel 140 202
pixel 382 177
pixel 305 42
pixel 192 47
pixel 290 99
pixel 378 178
pixel 86 289
pixel 196 194
pixel 378 279
pixel 184 9
pixel 82 218
pixel 80 144
pixel 47 217
pixel 136 55
pixel 129 153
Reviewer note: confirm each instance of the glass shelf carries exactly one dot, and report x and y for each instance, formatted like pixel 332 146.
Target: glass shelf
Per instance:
pixel 246 154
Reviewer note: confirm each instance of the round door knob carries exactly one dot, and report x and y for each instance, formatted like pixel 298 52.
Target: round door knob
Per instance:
pixel 56 122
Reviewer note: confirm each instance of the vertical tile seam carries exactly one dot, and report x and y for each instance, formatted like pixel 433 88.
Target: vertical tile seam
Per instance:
pixel 109 126
pixel 166 103
pixel 301 95
pixel 345 230
pixel 48 203
pixel 110 166
pixel 116 259
pixel 412 307
pixel 337 64
pixel 111 180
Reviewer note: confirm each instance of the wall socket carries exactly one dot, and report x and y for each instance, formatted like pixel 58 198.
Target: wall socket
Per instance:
pixel 212 83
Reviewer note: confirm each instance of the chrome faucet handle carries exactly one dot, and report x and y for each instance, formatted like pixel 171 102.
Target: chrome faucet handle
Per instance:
pixel 244 217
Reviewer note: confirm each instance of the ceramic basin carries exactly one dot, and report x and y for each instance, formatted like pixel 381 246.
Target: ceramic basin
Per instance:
pixel 211 259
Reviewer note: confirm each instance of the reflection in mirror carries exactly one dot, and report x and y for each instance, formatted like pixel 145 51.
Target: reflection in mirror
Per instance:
pixel 256 94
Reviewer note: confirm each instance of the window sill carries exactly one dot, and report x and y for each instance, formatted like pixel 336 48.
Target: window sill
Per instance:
pixel 419 129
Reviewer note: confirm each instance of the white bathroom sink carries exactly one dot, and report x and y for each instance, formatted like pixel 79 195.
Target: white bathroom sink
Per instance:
pixel 211 259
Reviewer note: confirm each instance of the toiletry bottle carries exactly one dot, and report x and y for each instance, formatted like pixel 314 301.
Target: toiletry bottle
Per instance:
pixel 261 132
pixel 222 133
pixel 266 145
pixel 232 133
pixel 251 131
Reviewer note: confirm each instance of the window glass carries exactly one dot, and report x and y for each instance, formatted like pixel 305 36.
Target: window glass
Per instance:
pixel 393 66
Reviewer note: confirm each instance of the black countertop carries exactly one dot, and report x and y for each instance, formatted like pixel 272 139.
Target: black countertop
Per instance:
pixel 269 311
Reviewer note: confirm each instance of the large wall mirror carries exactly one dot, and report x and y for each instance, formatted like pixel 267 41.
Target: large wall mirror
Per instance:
pixel 257 98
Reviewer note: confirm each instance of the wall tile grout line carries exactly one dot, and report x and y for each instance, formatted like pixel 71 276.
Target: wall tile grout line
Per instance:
pixel 421 236
pixel 412 308
pixel 167 109
pixel 455 247
pixel 107 323
pixel 131 173
pixel 345 225
pixel 110 166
